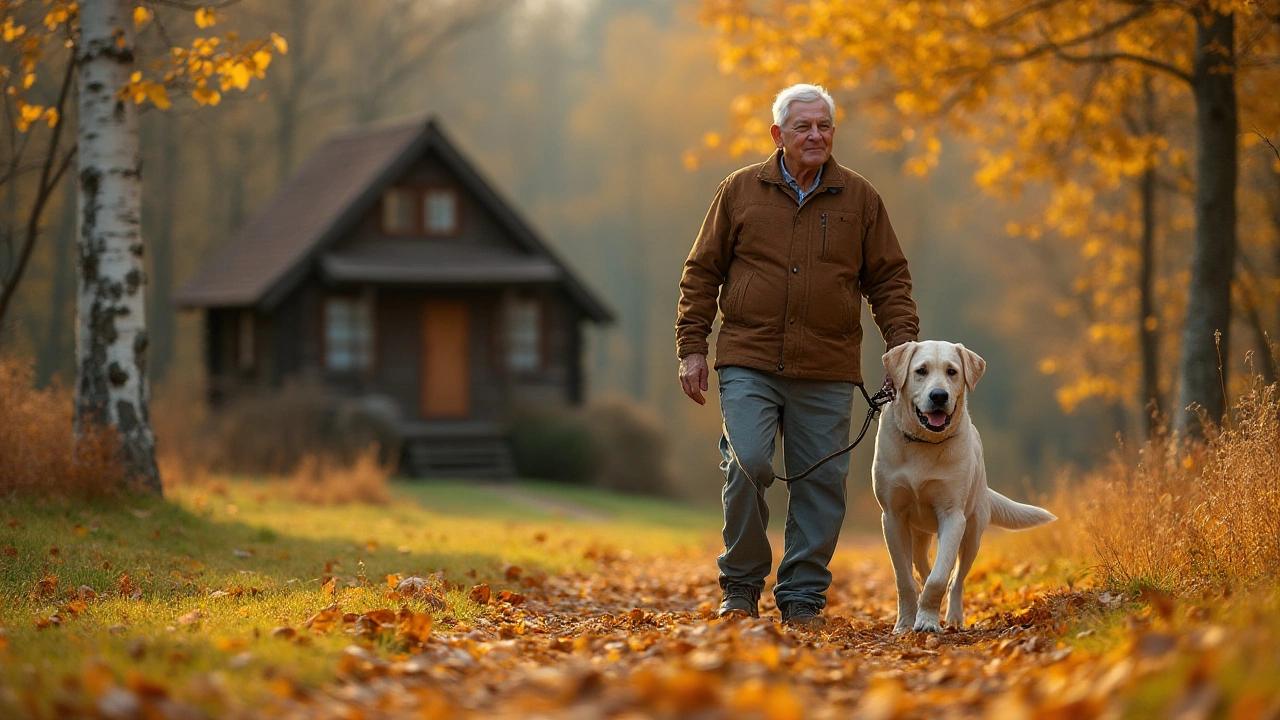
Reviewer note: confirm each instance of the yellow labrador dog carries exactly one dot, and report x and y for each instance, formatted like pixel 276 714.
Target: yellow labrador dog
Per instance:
pixel 930 478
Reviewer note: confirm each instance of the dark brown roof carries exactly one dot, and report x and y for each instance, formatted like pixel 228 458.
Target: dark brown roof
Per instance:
pixel 329 194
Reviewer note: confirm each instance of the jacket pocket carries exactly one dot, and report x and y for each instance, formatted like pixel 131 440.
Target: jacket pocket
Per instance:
pixel 831 311
pixel 733 298
pixel 839 239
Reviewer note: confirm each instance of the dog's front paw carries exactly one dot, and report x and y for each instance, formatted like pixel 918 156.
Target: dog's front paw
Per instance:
pixel 927 623
pixel 901 627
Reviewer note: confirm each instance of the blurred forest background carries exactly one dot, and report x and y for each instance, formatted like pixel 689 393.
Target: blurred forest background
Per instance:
pixel 602 120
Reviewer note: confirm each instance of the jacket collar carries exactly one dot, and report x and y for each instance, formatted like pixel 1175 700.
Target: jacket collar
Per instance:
pixel 771 172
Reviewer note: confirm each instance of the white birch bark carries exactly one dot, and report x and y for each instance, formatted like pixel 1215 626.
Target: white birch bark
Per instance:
pixel 111 329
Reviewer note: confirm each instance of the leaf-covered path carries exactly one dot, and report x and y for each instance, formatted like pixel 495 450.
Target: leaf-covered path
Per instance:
pixel 639 639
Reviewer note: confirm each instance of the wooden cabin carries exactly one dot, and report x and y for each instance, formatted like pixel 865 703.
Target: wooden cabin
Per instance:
pixel 389 269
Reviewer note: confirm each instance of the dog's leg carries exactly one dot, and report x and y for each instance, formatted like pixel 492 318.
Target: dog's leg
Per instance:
pixel 955 594
pixel 951 526
pixel 897 537
pixel 920 552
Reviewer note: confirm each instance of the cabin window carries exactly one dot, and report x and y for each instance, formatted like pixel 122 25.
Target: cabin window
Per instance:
pixel 397 211
pixel 440 212
pixel 524 335
pixel 244 340
pixel 348 334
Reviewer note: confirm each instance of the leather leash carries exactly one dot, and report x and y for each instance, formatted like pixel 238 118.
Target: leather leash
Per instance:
pixel 877 401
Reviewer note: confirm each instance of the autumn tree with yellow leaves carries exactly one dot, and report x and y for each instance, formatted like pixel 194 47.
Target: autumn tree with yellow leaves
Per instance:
pixel 49 48
pixel 1105 102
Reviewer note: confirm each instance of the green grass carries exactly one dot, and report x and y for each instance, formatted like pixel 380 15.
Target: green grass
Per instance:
pixel 179 552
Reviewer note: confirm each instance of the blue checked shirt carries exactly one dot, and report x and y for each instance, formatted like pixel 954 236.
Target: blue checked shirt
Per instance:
pixel 800 194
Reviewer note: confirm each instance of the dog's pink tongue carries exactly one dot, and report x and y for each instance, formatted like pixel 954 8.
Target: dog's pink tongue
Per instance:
pixel 937 418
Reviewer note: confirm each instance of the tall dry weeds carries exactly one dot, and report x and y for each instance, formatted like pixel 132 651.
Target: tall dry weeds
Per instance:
pixel 324 480
pixel 38 454
pixel 1181 517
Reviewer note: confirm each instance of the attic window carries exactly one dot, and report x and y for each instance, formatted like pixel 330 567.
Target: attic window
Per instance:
pixel 397 211
pixel 440 212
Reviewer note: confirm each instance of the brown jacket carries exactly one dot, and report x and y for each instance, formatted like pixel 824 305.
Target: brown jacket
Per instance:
pixel 789 277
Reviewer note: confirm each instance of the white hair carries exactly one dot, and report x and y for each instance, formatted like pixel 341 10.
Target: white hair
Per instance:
pixel 800 93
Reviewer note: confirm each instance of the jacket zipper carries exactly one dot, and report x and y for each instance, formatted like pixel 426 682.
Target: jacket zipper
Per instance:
pixel 823 255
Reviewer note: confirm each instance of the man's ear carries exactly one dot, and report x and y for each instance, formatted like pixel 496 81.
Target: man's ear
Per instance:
pixel 776 132
pixel 974 366
pixel 897 362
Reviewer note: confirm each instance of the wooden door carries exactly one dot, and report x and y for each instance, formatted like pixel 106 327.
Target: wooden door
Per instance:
pixel 446 359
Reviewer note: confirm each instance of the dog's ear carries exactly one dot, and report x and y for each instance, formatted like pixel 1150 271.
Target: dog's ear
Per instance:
pixel 973 364
pixel 897 362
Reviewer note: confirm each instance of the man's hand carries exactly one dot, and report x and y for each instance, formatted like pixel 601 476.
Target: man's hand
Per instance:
pixel 693 376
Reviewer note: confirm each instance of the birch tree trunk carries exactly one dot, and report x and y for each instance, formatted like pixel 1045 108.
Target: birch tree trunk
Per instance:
pixel 1213 259
pixel 111 331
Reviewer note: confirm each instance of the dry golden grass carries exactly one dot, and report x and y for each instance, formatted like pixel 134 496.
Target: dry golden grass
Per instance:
pixel 1176 516
pixel 322 480
pixel 38 455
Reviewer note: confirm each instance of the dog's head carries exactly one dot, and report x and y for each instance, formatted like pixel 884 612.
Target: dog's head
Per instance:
pixel 932 378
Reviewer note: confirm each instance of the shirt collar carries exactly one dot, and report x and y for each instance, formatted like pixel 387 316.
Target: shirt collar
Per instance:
pixel 795 185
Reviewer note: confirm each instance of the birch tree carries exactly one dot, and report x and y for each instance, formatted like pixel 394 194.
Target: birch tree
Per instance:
pixel 111 332
pixel 112 387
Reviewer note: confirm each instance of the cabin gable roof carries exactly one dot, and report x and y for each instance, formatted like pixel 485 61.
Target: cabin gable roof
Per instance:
pixel 340 184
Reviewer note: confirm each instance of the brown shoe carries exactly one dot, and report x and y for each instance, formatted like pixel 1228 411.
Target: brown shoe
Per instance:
pixel 803 615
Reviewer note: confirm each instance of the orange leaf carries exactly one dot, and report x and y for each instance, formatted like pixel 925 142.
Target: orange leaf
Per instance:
pixel 416 627
pixel 480 594
pixel 511 598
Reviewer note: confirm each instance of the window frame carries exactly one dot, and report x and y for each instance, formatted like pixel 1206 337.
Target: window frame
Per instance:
pixel 418 194
pixel 415 211
pixel 423 216
pixel 539 344
pixel 356 301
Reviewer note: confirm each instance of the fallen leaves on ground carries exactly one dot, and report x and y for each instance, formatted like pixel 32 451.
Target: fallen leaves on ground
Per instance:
pixel 630 637
pixel 641 640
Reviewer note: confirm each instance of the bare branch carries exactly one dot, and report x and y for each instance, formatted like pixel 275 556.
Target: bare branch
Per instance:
pixel 1103 58
pixel 192 7
pixel 1267 140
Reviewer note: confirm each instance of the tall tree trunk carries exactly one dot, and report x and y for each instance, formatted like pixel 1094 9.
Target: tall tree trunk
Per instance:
pixel 1148 323
pixel 53 354
pixel 637 258
pixel 1274 172
pixel 111 341
pixel 1149 327
pixel 1209 297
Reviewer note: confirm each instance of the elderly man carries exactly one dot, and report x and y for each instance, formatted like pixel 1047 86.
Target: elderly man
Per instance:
pixel 786 248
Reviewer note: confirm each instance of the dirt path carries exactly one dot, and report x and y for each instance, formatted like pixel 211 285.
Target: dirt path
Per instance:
pixel 638 639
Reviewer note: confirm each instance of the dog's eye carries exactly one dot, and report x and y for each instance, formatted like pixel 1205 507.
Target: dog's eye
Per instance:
pixel 951 371
pixel 922 371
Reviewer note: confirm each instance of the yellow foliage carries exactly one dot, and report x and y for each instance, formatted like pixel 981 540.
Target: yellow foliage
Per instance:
pixel 206 18
pixel 1080 99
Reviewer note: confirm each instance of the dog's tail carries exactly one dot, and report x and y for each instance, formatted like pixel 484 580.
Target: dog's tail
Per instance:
pixel 1012 515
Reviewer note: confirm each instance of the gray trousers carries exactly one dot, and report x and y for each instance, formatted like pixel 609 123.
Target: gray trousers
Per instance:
pixel 814 417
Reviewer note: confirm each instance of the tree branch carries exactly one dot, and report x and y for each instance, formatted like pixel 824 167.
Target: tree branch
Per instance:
pixel 1103 58
pixel 50 175
pixel 1267 140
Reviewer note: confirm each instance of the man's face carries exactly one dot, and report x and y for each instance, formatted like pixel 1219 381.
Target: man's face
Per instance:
pixel 806 137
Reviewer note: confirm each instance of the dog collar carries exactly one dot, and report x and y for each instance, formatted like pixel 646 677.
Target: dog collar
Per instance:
pixel 912 438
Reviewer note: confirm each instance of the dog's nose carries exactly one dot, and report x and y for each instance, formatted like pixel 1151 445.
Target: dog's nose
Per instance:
pixel 939 397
